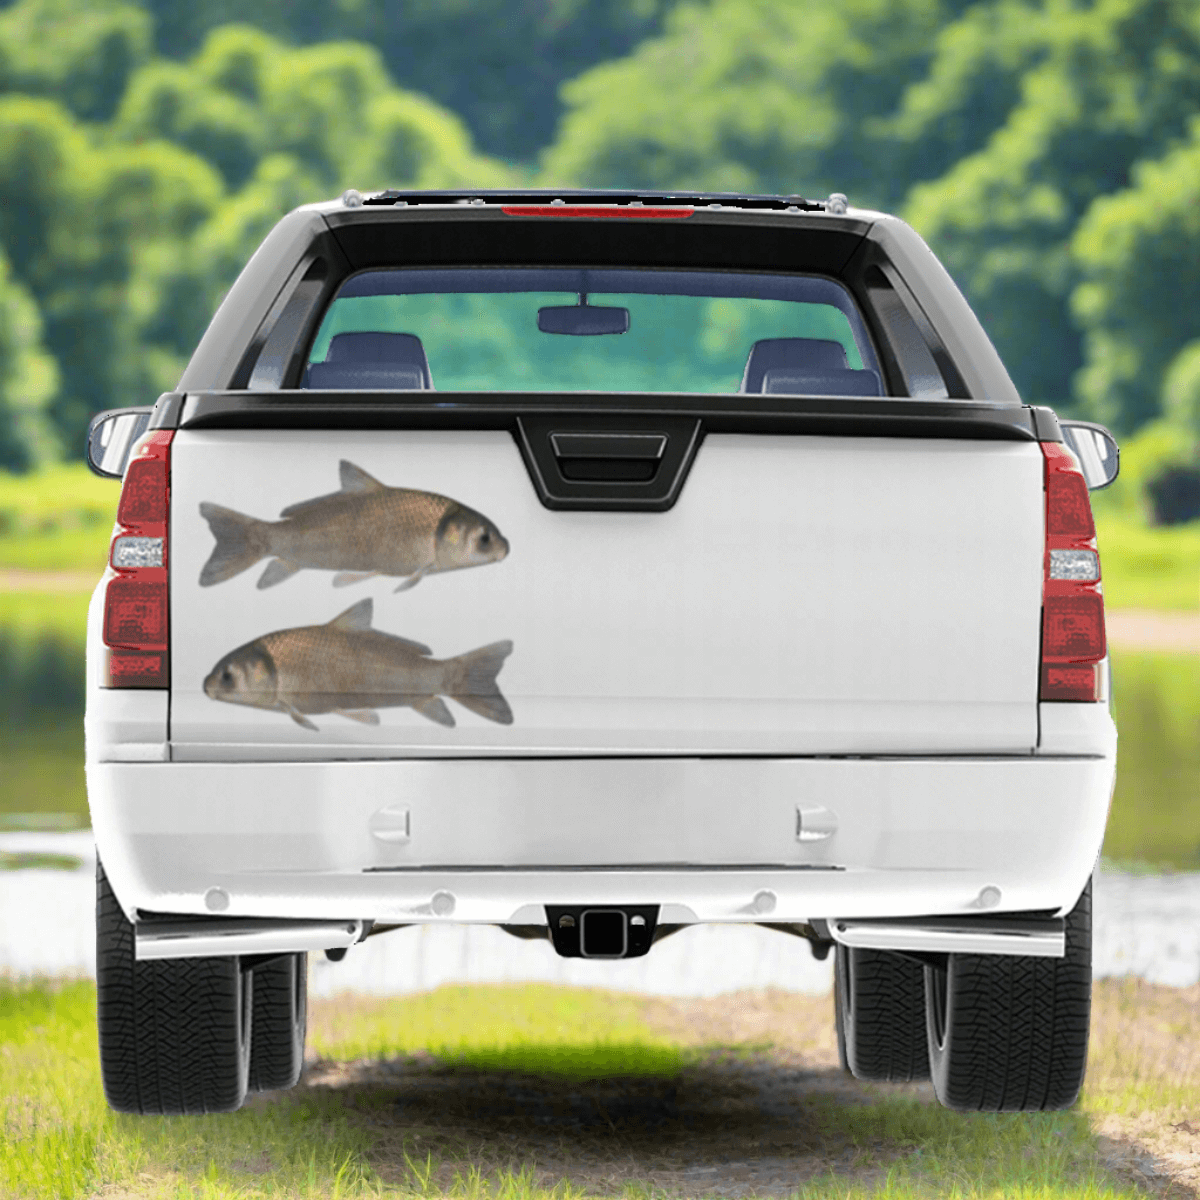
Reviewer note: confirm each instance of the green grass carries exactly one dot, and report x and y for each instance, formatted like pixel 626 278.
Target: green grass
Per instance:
pixel 1149 567
pixel 532 1028
pixel 58 518
pixel 27 616
pixel 42 636
pixel 1155 816
pixel 42 781
pixel 344 1138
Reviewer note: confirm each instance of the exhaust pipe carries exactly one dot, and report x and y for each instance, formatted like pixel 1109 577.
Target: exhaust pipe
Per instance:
pixel 1034 938
pixel 216 939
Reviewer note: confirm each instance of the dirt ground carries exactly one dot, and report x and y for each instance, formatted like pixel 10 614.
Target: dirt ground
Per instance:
pixel 1147 629
pixel 762 1117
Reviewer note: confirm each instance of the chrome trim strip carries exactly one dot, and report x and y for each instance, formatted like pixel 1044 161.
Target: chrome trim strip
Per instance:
pixel 205 939
pixel 1035 939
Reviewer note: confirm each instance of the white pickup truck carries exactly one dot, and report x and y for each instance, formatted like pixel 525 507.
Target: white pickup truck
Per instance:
pixel 595 565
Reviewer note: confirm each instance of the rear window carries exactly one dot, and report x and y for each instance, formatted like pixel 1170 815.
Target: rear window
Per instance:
pixel 590 329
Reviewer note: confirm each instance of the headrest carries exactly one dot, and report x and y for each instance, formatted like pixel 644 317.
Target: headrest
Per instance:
pixel 363 377
pixel 802 355
pixel 845 382
pixel 378 350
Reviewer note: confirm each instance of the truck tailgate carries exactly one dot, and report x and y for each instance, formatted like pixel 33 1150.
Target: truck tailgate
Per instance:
pixel 806 595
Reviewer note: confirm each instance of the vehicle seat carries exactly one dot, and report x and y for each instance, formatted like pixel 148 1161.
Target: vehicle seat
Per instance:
pixel 807 367
pixel 386 361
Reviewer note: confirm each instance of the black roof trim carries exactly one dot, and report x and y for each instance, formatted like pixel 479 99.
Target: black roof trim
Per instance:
pixel 889 416
pixel 498 196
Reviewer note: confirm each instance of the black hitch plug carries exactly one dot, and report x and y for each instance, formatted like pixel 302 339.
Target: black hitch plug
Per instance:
pixel 602 931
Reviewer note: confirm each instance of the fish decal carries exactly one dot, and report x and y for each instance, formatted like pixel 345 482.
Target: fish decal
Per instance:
pixel 346 667
pixel 364 530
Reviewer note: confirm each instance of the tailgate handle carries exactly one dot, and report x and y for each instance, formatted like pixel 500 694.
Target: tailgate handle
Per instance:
pixel 628 462
pixel 608 457
pixel 608 445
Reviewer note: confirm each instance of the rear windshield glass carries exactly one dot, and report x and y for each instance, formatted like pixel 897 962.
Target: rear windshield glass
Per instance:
pixel 588 329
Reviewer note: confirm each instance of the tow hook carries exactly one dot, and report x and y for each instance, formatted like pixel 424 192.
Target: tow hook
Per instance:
pixel 608 931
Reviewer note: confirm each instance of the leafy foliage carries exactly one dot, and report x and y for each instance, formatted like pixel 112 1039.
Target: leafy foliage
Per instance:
pixel 122 235
pixel 1045 148
pixel 997 127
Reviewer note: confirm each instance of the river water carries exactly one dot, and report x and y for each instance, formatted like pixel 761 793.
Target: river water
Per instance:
pixel 1146 925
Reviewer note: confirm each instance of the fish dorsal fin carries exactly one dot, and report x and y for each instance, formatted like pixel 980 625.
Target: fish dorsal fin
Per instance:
pixel 303 506
pixel 355 479
pixel 356 619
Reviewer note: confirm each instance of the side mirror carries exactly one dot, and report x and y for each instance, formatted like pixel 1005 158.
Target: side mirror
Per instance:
pixel 1096 450
pixel 111 436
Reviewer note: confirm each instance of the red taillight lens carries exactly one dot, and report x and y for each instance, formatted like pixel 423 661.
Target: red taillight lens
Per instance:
pixel 136 618
pixel 134 669
pixel 1068 509
pixel 1073 627
pixel 1073 638
pixel 144 493
pixel 135 614
pixel 639 211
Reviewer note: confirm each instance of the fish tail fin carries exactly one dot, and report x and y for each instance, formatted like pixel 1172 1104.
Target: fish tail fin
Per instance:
pixel 240 543
pixel 472 682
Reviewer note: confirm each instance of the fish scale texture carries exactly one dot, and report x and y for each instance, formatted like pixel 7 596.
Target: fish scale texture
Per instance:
pixel 880 999
pixel 279 1023
pixel 1016 1028
pixel 172 1036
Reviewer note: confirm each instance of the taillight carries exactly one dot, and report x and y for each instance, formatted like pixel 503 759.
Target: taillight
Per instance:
pixel 135 604
pixel 1073 641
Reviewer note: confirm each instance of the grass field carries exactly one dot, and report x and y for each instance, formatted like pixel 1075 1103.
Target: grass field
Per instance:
pixel 59 518
pixel 1155 815
pixel 530 1092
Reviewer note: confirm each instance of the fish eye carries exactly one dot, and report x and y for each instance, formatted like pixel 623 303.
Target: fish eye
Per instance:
pixel 227 677
pixel 484 538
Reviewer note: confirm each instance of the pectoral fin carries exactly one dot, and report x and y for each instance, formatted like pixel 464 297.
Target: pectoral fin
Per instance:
pixel 435 710
pixel 415 577
pixel 276 572
pixel 364 716
pixel 296 715
pixel 345 578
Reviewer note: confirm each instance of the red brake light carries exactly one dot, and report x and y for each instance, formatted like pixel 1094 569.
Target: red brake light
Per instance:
pixel 1073 636
pixel 596 210
pixel 136 615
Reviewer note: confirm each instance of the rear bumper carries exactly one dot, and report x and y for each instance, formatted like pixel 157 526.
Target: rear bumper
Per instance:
pixel 493 841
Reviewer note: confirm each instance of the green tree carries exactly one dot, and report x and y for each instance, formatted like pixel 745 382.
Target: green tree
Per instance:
pixel 28 379
pixel 778 96
pixel 69 50
pixel 1108 84
pixel 499 64
pixel 1138 252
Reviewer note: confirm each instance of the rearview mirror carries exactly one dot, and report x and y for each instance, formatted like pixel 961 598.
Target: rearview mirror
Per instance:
pixel 111 436
pixel 583 320
pixel 1096 450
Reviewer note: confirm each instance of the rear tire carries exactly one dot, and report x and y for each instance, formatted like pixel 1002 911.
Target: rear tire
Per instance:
pixel 1009 1033
pixel 174 1033
pixel 280 1022
pixel 879 1000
